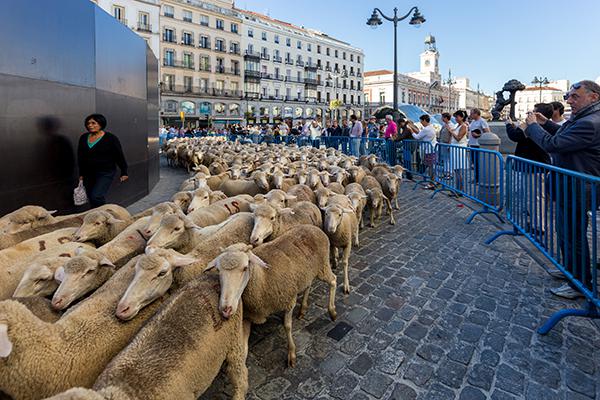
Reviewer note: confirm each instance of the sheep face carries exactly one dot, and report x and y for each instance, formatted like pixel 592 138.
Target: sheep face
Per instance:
pixel 354 173
pixel 182 200
pixel 322 196
pixel 357 200
pixel 153 277
pixel 313 179
pixel 325 178
pixel 390 183
pixel 301 177
pixel 171 231
pixel 260 179
pixel 265 217
pixel 277 179
pixel 95 225
pixel 158 211
pixel 340 176
pixel 375 198
pixel 79 276
pixel 278 198
pixel 333 217
pixel 38 279
pixel 235 172
pixel 234 266
pixel 28 217
pixel 200 198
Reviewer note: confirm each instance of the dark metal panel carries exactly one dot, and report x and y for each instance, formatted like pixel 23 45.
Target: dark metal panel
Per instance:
pixel 120 58
pixel 153 120
pixel 48 40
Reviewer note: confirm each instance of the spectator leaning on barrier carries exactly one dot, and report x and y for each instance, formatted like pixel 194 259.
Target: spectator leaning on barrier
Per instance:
pixel 427 134
pixel 372 128
pixel 558 109
pixel 477 127
pixel 355 135
pixel 575 146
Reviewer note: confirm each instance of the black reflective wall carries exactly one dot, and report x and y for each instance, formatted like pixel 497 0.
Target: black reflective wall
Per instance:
pixel 62 60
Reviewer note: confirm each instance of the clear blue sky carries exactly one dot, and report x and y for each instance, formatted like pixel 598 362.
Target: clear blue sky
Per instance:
pixel 488 41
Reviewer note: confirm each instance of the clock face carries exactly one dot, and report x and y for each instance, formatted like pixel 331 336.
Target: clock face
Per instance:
pixel 427 63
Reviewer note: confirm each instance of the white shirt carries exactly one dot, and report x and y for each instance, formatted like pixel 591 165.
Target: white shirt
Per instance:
pixel 480 124
pixel 314 130
pixel 426 134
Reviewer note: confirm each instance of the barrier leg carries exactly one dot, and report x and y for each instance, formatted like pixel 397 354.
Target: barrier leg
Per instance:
pixel 591 312
pixel 514 232
pixel 444 189
pixel 484 210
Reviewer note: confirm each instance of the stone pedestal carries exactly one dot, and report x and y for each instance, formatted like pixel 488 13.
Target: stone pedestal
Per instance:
pixel 489 169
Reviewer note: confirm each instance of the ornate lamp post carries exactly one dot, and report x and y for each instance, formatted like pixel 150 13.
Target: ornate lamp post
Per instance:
pixel 416 20
pixel 449 82
pixel 332 78
pixel 541 82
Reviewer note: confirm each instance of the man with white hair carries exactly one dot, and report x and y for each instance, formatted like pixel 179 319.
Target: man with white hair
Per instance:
pixel 392 129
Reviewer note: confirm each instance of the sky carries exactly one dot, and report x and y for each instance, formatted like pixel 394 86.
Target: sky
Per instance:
pixel 487 41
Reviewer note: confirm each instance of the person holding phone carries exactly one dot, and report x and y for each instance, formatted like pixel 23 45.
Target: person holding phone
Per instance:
pixel 98 154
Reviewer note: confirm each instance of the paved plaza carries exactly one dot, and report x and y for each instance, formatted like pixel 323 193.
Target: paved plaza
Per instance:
pixel 433 313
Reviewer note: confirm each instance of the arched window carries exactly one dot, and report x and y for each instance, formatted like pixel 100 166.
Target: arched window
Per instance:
pixel 188 107
pixel 298 112
pixel 234 109
pixel 219 108
pixel 205 108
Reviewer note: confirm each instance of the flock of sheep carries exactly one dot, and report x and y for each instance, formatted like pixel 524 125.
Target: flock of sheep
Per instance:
pixel 150 306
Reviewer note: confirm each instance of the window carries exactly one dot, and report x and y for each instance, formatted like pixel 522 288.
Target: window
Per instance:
pixel 328 97
pixel 358 85
pixel 288 73
pixel 204 42
pixel 276 53
pixel 345 99
pixel 188 60
pixel 288 42
pixel 327 51
pixel 358 59
pixel 308 47
pixel 187 83
pixel 299 76
pixel 204 20
pixel 169 59
pixel 264 53
pixel 234 86
pixel 264 35
pixel 235 67
pixel 119 13
pixel 187 39
pixel 381 97
pixel 299 45
pixel 318 49
pixel 187 16
pixel 277 73
pixel 344 55
pixel 220 45
pixel 264 91
pixel 168 81
pixel 288 93
pixel 277 93
pixel 144 22
pixel 169 35
pixel 234 27
pixel 205 63
pixel 276 39
pixel 168 11
pixel 234 48
pixel 250 32
pixel 220 24
pixel 220 85
pixel 336 54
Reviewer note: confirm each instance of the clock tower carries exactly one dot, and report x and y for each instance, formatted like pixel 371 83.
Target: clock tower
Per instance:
pixel 430 67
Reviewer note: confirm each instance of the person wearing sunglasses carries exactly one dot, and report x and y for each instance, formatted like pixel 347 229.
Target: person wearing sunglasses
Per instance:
pixel 575 146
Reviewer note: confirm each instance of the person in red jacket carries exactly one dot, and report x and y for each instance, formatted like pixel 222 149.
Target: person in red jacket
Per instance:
pixel 98 154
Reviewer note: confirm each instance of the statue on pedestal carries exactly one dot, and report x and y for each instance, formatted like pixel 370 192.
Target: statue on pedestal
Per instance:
pixel 512 87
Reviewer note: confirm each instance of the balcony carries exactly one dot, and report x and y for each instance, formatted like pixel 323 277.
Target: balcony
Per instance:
pixel 201 91
pixel 265 56
pixel 170 38
pixel 310 99
pixel 289 61
pixel 187 19
pixel 234 50
pixel 278 77
pixel 204 68
pixel 252 74
pixel 178 64
pixel 252 95
pixel 328 68
pixel 311 81
pixel 310 65
pixel 277 59
pixel 293 80
pixel 220 49
pixel 168 15
pixel 144 27
pixel 204 44
pixel 299 63
pixel 359 74
pixel 251 54
pixel 221 69
pixel 352 73
pixel 187 42
pixel 265 75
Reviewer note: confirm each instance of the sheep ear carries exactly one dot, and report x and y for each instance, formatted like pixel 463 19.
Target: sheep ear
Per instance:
pixel 79 250
pixel 113 220
pixel 254 259
pixel 188 223
pixel 369 191
pixel 364 196
pixel 287 210
pixel 59 274
pixel 105 262
pixel 253 207
pixel 52 212
pixel 290 197
pixel 5 343
pixel 211 265
pixel 347 210
pixel 182 261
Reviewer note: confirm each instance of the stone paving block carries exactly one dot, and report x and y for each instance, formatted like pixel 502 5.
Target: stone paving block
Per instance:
pixel 403 392
pixel 439 392
pixel 343 385
pixel 481 376
pixel 451 373
pixel 471 393
pixel 375 383
pixel 362 364
pixel 510 380
pixel 419 373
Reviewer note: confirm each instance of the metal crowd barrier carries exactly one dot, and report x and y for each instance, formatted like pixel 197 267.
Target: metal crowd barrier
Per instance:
pixel 556 210
pixel 418 158
pixel 477 174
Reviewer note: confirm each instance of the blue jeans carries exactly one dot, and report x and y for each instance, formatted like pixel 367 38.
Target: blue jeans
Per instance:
pixel 96 187
pixel 354 145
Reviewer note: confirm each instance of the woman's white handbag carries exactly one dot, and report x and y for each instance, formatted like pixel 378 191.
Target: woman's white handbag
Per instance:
pixel 79 195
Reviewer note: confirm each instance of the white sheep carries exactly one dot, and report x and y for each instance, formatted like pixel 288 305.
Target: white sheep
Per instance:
pixel 100 227
pixel 269 278
pixel 376 199
pixel 271 222
pixel 358 199
pixel 257 183
pixel 179 352
pixel 221 210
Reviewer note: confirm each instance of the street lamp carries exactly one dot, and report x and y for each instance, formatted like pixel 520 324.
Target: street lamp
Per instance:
pixel 449 82
pixel 433 85
pixel 541 82
pixel 332 78
pixel 416 20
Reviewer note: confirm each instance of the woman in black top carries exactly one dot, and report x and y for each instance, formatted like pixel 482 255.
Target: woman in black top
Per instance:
pixel 98 154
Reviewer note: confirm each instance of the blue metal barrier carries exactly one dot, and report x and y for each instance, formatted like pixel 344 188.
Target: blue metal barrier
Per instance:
pixel 554 208
pixel 477 174
pixel 417 158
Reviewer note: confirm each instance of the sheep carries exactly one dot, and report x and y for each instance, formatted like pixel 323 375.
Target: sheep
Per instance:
pixel 201 169
pixel 200 198
pixel 357 174
pixel 314 179
pixel 302 193
pixel 269 278
pixel 41 308
pixel 30 247
pixel 358 199
pixel 216 168
pixel 376 199
pixel 368 161
pixel 336 187
pixel 389 185
pixel 277 198
pixel 26 217
pixel 216 195
pixel 280 181
pixel 157 212
pixel 35 277
pixel 257 184
pixel 189 340
pixel 85 272
pixel 182 200
pixel 221 210
pixel 271 222
pixel 151 282
pixel 341 226
pixel 39 359
pixel 215 181
pixel 100 227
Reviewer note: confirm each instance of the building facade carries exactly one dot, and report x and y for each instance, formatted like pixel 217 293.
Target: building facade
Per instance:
pixel 526 99
pixel 142 16
pixel 293 73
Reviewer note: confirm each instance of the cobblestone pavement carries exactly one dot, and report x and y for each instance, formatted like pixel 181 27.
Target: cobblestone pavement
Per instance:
pixel 433 314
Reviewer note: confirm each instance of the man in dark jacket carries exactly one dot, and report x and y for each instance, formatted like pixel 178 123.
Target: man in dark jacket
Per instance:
pixel 526 148
pixel 574 146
